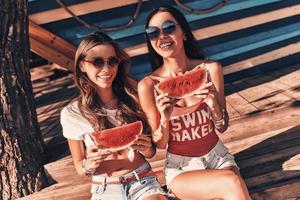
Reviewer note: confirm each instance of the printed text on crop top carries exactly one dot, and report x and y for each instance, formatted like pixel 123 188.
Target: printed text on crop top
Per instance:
pixel 192 134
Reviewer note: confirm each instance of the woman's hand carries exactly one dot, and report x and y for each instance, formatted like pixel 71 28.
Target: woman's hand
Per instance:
pixel 164 105
pixel 209 94
pixel 94 156
pixel 143 144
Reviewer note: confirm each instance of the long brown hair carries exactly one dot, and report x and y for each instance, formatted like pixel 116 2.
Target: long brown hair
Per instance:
pixel 89 103
pixel 191 47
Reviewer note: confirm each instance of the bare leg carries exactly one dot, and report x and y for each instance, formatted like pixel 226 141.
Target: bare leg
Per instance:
pixel 243 184
pixel 209 184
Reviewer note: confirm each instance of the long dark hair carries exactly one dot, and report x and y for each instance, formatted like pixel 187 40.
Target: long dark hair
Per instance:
pixel 190 44
pixel 89 103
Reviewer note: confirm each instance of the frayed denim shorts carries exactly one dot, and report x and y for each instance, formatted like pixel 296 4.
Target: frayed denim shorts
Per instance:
pixel 137 189
pixel 217 158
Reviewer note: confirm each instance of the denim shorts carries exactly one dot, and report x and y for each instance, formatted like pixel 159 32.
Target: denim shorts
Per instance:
pixel 134 190
pixel 217 158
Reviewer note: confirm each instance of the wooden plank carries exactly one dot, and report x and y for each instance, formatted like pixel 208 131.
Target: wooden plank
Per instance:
pixel 240 145
pixel 264 143
pixel 57 105
pixel 51 47
pixel 40 34
pixel 63 170
pixel 231 26
pixel 293 81
pixel 57 83
pixel 62 191
pixel 266 158
pixel 232 112
pixel 261 123
pixel 271 179
pixel 262 95
pixel 240 104
pixel 263 58
pixel 287 192
pixel 78 9
pixel 253 95
pixel 246 22
pixel 282 87
pixel 262 41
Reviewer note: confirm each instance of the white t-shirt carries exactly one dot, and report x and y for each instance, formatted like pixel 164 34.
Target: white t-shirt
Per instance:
pixel 76 127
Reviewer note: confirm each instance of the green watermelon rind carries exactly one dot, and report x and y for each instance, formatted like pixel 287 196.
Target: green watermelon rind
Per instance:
pixel 107 134
pixel 187 80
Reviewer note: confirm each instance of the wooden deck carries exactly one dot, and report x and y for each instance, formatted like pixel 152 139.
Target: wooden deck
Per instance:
pixel 264 134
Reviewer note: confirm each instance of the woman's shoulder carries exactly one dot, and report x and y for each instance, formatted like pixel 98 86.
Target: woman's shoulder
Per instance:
pixel 212 65
pixel 71 110
pixel 147 82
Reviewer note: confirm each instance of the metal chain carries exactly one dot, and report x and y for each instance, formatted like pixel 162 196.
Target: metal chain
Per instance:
pixel 200 11
pixel 105 29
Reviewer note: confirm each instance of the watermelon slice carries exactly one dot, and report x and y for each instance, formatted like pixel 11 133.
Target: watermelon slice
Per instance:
pixel 183 85
pixel 118 138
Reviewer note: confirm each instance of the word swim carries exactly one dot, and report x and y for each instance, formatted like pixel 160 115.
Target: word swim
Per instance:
pixel 191 126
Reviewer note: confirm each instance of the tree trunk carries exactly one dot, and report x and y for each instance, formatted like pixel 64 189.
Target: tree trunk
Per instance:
pixel 21 144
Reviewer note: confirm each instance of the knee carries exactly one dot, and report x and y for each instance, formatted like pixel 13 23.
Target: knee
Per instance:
pixel 236 185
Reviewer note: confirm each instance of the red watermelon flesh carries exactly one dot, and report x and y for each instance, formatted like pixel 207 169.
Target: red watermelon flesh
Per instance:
pixel 117 138
pixel 183 85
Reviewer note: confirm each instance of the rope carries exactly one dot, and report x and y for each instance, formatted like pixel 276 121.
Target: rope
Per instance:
pixel 105 29
pixel 200 11
pixel 136 13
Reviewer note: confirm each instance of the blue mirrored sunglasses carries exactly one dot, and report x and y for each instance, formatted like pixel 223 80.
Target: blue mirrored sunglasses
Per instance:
pixel 168 27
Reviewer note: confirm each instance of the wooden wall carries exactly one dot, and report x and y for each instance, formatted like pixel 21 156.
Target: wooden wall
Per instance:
pixel 248 37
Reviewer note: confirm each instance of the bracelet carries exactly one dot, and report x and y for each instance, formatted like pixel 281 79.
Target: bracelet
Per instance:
pixel 88 173
pixel 220 122
pixel 158 133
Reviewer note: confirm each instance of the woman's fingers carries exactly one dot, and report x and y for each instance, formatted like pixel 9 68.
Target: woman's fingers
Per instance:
pixel 95 156
pixel 160 97
pixel 92 149
pixel 143 140
pixel 164 101
pixel 207 85
pixel 203 91
pixel 99 157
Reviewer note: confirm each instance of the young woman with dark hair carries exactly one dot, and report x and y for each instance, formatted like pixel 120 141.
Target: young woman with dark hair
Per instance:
pixel 198 165
pixel 108 99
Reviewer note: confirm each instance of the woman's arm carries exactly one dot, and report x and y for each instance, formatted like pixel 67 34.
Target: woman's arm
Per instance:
pixel 86 165
pixel 148 104
pixel 77 152
pixel 218 109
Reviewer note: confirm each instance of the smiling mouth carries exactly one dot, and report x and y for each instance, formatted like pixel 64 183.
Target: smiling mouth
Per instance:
pixel 104 77
pixel 165 45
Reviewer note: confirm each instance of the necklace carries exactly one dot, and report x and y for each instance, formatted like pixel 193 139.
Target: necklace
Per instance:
pixel 111 104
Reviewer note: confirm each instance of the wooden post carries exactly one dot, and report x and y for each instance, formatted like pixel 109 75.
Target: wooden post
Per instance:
pixel 51 47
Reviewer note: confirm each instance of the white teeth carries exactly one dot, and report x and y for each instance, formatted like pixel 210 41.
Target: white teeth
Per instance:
pixel 104 76
pixel 166 44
